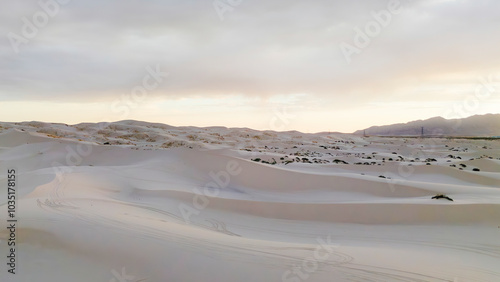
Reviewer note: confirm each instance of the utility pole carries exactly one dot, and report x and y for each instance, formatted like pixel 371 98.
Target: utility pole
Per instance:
pixel 422 132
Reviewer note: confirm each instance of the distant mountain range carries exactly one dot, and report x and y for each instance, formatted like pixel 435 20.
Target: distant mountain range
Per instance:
pixel 478 125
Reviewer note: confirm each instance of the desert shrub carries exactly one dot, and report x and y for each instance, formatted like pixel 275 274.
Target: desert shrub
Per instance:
pixel 173 144
pixel 442 196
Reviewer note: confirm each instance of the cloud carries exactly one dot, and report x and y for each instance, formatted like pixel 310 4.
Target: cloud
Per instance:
pixel 93 50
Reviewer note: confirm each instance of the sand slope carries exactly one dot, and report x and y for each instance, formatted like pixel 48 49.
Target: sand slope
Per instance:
pixel 161 203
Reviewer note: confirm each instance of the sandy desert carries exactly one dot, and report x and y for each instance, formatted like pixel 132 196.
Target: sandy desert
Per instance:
pixel 137 201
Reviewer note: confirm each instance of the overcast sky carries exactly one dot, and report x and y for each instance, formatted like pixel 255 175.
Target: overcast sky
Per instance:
pixel 317 65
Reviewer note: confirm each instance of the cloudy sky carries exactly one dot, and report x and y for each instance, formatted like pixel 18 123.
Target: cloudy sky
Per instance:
pixel 317 65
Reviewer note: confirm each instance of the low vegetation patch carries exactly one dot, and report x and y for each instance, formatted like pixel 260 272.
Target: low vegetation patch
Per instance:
pixel 442 196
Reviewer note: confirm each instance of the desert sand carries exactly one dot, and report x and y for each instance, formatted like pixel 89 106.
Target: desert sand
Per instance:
pixel 136 201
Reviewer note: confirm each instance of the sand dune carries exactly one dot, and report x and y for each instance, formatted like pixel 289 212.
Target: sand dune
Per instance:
pixel 152 202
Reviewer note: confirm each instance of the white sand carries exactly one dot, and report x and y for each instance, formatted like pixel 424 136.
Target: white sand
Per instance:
pixel 141 207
